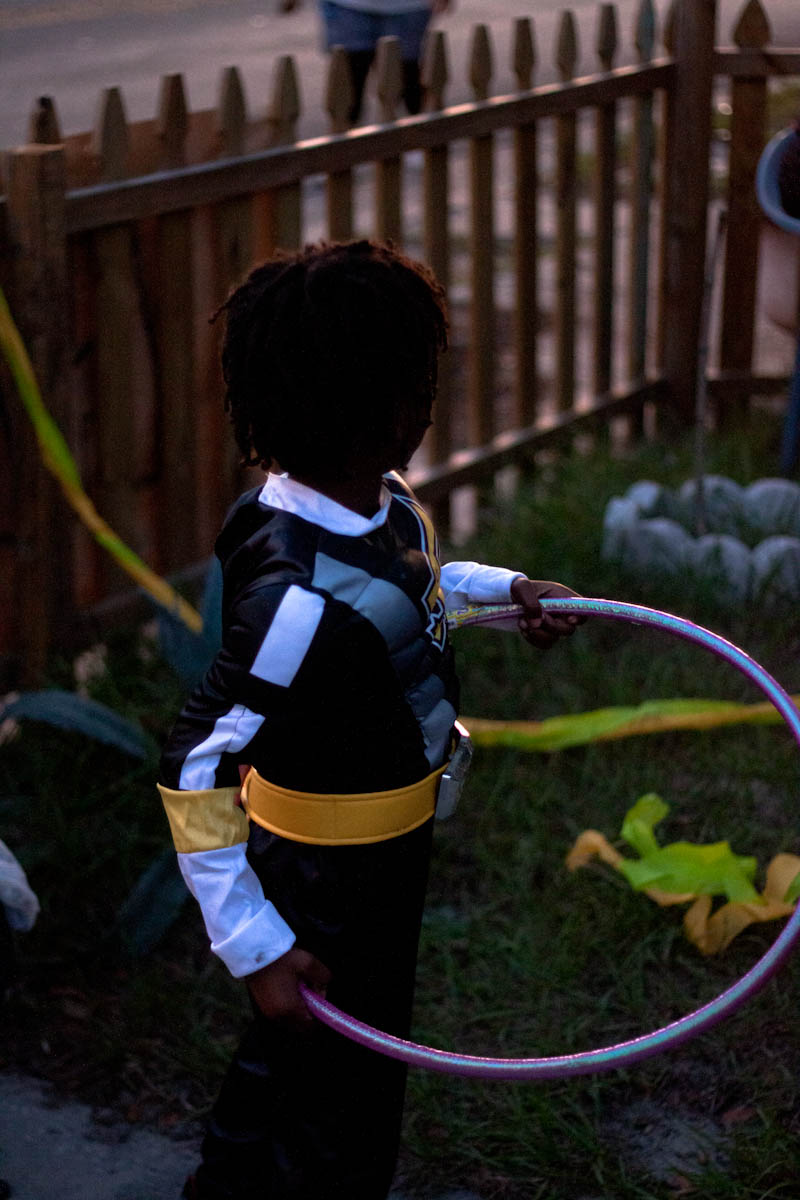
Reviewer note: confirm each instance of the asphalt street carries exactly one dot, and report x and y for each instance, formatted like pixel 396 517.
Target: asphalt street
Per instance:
pixel 56 1150
pixel 72 49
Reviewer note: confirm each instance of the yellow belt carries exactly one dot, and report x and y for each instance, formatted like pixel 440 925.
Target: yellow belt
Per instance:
pixel 339 819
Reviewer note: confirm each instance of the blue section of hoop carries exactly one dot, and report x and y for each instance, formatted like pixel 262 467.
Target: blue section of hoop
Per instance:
pixel 668 1037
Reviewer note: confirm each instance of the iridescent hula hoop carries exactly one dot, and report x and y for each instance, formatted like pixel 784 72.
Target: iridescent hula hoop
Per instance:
pixel 623 1054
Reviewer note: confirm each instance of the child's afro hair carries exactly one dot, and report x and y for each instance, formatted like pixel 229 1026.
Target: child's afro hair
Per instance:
pixel 330 359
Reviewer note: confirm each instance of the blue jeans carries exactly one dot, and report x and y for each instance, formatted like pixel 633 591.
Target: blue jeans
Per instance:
pixel 358 33
pixel 357 30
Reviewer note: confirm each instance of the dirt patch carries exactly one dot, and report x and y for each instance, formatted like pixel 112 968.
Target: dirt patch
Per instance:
pixel 666 1142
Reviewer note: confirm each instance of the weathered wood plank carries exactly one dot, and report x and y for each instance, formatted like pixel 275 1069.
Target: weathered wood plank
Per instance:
pixel 111 139
pixel 687 198
pixel 752 64
pixel 748 135
pixel 279 221
pixel 42 597
pixel 172 302
pixel 175 395
pixel 231 114
pixel 124 399
pixel 436 230
pixel 665 150
pixel 44 127
pixel 526 236
pixel 480 384
pixel 339 186
pixel 172 122
pixel 604 202
pixel 566 199
pixel 642 148
pixel 389 170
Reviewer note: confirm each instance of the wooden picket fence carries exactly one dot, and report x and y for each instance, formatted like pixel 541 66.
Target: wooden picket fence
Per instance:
pixel 572 305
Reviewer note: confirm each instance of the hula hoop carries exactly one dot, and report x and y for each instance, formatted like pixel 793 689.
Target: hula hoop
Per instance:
pixel 668 1037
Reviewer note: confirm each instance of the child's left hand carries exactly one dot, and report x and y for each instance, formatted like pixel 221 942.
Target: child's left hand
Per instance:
pixel 538 627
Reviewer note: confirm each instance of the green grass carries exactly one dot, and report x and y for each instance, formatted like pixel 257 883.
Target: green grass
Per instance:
pixel 518 957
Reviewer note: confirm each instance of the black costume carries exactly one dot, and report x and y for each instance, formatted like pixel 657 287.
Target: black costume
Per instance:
pixel 335 676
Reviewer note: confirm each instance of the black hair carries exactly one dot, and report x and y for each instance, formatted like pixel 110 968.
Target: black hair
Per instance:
pixel 330 358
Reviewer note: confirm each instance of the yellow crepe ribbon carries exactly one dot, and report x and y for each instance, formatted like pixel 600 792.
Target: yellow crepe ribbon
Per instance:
pixel 608 724
pixel 59 462
pixel 684 872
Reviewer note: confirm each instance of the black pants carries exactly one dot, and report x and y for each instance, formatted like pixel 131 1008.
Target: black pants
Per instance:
pixel 360 62
pixel 316 1117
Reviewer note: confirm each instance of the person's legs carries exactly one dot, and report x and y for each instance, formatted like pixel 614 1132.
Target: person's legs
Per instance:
pixel 359 62
pixel 409 28
pixel 357 33
pixel 412 86
pixel 313 1116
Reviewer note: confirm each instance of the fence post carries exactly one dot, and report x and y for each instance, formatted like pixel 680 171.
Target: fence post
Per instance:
pixel 687 199
pixel 526 236
pixel 480 393
pixel 36 185
pixel 566 190
pixel 748 122
pixel 279 224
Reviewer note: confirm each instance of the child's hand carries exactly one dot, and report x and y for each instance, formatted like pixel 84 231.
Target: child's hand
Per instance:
pixel 539 628
pixel 275 987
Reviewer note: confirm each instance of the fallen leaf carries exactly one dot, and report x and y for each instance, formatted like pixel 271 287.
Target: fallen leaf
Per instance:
pixel 738 1115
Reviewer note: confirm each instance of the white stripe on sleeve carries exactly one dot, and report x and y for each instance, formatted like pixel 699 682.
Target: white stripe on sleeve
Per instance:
pixel 232 731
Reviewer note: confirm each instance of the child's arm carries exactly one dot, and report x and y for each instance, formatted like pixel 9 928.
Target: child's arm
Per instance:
pixel 538 627
pixel 275 987
pixel 200 786
pixel 465 583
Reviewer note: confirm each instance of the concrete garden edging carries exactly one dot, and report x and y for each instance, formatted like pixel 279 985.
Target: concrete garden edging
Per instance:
pixel 749 551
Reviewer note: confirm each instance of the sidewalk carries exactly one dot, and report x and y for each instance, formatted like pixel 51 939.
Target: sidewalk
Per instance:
pixel 55 1150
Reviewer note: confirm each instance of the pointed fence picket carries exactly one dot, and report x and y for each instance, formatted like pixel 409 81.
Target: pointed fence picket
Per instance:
pixel 571 304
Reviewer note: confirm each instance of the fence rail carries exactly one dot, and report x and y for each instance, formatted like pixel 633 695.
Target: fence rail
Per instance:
pixel 566 221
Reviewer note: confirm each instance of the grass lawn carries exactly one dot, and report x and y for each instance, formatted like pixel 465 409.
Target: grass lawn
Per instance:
pixel 519 957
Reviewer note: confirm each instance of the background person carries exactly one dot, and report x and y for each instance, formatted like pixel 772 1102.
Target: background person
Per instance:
pixel 357 26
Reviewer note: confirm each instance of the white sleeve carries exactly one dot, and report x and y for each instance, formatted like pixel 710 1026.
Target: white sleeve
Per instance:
pixel 246 930
pixel 465 583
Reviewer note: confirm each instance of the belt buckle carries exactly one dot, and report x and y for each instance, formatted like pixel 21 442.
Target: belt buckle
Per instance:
pixel 452 781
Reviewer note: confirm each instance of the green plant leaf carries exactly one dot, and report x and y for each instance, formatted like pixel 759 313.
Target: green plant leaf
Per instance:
pixel 793 890
pixel 79 714
pixel 188 653
pixel 640 820
pixel 710 870
pixel 153 905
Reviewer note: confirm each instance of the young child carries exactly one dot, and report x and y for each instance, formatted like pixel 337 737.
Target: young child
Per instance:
pixel 335 689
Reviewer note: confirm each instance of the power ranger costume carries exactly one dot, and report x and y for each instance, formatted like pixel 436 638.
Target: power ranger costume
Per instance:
pixel 335 683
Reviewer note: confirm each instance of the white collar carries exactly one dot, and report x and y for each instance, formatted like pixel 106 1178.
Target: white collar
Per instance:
pixel 282 492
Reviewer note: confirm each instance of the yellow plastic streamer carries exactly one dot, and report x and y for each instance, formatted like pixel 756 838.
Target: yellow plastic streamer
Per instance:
pixel 59 462
pixel 607 724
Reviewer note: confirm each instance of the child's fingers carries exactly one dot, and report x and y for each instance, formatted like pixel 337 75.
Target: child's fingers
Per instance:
pixel 317 976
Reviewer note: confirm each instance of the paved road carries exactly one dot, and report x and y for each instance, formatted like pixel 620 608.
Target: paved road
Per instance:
pixel 104 1159
pixel 72 49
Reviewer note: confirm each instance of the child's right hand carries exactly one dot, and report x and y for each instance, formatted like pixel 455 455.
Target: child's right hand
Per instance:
pixel 275 987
